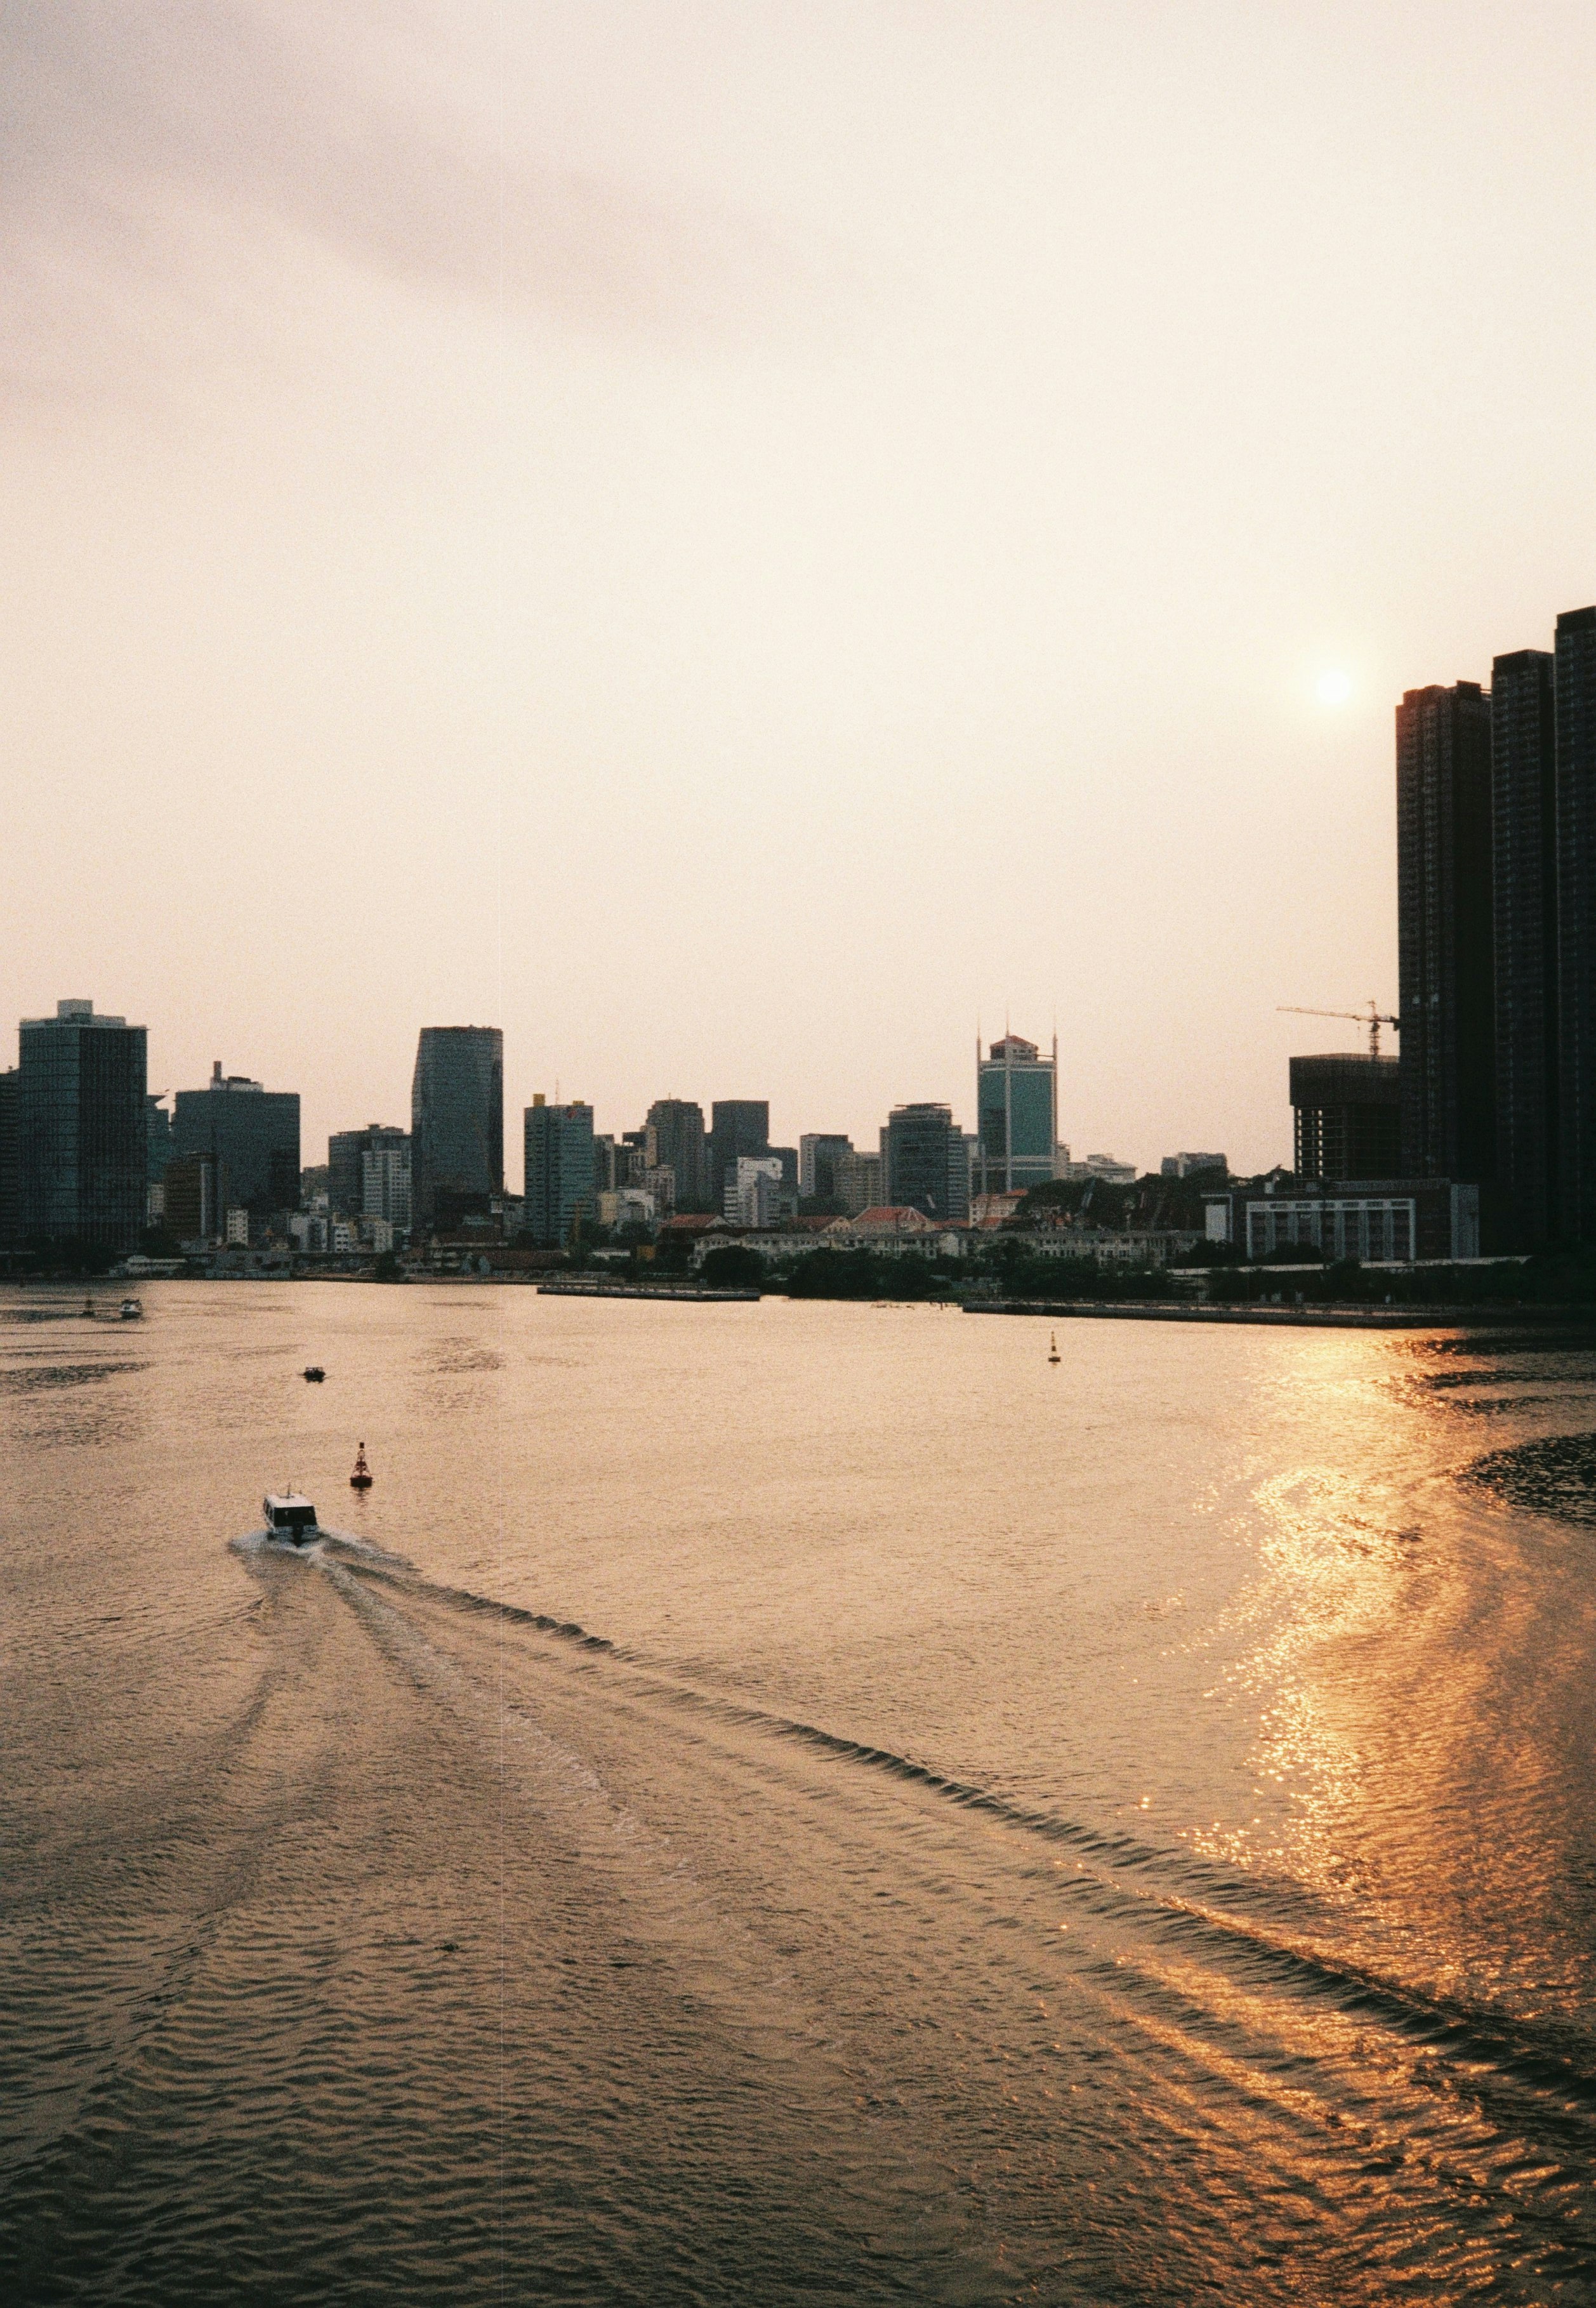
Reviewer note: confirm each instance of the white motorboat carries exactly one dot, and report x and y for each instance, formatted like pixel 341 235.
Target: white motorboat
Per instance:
pixel 131 1310
pixel 289 1516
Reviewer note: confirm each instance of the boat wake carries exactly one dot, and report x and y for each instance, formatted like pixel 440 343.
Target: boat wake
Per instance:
pixel 1198 1908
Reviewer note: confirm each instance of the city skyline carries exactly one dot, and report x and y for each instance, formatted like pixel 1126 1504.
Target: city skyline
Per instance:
pixel 999 536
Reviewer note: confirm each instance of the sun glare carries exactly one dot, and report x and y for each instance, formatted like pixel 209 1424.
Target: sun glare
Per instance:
pixel 1335 688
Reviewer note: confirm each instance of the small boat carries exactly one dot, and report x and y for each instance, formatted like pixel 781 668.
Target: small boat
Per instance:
pixel 289 1516
pixel 131 1310
pixel 314 1372
pixel 360 1480
pixel 1053 1353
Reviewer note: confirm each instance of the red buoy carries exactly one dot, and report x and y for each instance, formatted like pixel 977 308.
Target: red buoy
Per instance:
pixel 360 1480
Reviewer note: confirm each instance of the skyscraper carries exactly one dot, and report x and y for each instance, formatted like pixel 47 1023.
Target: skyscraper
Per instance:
pixel 560 1184
pixel 1445 933
pixel 1576 1121
pixel 252 1136
pixel 82 1150
pixel 1016 1116
pixel 675 1142
pixel 738 1125
pixel 457 1123
pixel 1525 900
pixel 927 1165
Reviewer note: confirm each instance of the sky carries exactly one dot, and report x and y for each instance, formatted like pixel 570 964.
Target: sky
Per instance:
pixel 743 542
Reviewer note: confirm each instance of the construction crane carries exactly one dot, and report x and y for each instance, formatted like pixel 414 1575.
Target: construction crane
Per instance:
pixel 1372 1018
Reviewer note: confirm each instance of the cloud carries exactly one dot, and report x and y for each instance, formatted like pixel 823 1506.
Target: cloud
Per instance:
pixel 150 145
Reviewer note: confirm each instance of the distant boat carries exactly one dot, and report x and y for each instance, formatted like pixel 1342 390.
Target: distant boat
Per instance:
pixel 360 1480
pixel 315 1373
pixel 1053 1353
pixel 131 1310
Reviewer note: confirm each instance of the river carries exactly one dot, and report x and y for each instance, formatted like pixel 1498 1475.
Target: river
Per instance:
pixel 791 1803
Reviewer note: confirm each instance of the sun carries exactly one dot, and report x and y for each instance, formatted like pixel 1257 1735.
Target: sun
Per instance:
pixel 1334 687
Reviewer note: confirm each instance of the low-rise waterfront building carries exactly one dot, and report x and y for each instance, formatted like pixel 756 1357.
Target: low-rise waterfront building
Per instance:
pixel 1106 1246
pixel 1378 1221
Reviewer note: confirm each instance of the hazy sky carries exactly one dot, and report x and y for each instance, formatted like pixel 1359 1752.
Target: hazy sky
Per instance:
pixel 729 539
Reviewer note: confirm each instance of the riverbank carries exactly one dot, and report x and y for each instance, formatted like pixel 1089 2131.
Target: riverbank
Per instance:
pixel 1283 1318
pixel 584 1286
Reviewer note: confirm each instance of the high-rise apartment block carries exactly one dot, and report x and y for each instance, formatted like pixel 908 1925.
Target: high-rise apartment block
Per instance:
pixel 457 1125
pixel 560 1179
pixel 676 1141
pixel 83 1151
pixel 1496 875
pixel 1445 933
pixel 1575 679
pixel 1016 1117
pixel 251 1133
pixel 1524 907
pixel 926 1163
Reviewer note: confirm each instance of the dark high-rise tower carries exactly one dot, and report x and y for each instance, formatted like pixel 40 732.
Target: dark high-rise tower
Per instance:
pixel 1576 679
pixel 1445 933
pixel 457 1123
pixel 738 1125
pixel 1525 850
pixel 927 1162
pixel 11 1190
pixel 250 1133
pixel 675 1135
pixel 81 1137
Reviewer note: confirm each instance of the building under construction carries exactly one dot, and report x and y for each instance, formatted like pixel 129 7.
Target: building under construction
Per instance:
pixel 1347 1111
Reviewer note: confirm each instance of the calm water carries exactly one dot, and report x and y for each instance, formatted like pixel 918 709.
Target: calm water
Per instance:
pixel 792 1804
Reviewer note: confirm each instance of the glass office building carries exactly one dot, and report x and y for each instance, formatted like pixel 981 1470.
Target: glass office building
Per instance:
pixel 1016 1117
pixel 457 1125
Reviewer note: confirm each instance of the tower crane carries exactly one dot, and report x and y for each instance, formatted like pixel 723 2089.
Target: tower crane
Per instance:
pixel 1372 1018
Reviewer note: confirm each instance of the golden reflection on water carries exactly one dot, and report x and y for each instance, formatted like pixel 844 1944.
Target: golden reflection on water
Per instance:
pixel 1346 1550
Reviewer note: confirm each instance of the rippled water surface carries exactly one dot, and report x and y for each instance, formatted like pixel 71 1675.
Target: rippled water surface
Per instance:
pixel 792 1804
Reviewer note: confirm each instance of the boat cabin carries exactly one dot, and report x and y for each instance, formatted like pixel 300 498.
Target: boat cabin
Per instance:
pixel 289 1516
